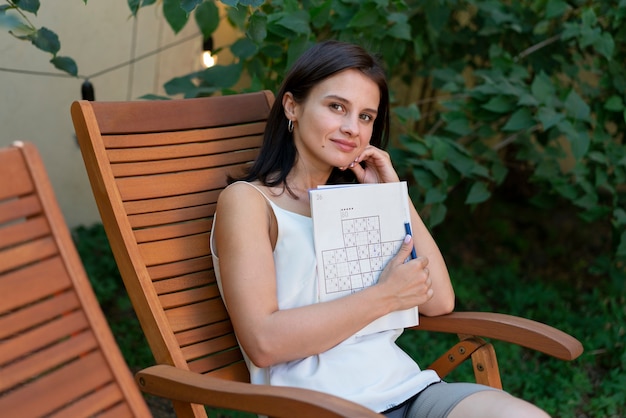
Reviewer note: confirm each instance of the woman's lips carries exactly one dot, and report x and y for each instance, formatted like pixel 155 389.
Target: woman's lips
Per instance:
pixel 345 146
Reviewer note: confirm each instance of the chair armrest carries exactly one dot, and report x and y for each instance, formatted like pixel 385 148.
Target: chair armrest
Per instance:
pixel 512 329
pixel 183 385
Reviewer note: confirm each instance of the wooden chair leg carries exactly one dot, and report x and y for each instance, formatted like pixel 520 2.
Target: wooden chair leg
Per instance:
pixel 486 366
pixel 484 360
pixel 455 356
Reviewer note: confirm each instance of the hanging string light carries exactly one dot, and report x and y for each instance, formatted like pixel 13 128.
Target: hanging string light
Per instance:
pixel 208 59
pixel 87 91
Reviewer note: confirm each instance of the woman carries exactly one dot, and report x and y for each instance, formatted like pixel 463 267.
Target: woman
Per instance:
pixel 329 125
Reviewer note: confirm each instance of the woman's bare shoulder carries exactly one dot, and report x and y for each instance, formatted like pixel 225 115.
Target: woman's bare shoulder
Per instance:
pixel 242 197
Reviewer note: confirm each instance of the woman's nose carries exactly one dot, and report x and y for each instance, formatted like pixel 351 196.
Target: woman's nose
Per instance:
pixel 350 125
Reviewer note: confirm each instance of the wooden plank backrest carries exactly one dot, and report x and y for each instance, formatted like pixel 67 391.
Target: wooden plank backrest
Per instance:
pixel 57 354
pixel 156 169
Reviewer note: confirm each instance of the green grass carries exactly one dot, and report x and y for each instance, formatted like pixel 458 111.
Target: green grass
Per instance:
pixel 505 257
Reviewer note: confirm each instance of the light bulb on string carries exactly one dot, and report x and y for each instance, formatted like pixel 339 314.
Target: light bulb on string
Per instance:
pixel 208 59
pixel 87 91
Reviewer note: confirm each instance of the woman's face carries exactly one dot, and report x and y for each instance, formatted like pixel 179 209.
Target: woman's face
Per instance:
pixel 334 123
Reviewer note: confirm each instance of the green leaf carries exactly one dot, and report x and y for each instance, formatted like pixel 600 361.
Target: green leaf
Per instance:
pixel 298 22
pixel 189 5
pixel 549 117
pixel 478 193
pixel 614 104
pixel 179 85
pixel 31 6
pixel 66 64
pixel 619 217
pixel 589 17
pixel 579 139
pixel 175 16
pixel 257 28
pixel 243 48
pixel 521 119
pixel 543 89
pixel 556 8
pixel 407 114
pixel 46 40
pixel 154 97
pixel 437 214
pixel 207 18
pixel 621 247
pixel 14 25
pixel 400 28
pixel 576 107
pixel 605 45
pixel 222 76
pixel 434 196
pixel 435 167
pixel 499 104
pixel 366 17
pixel 253 3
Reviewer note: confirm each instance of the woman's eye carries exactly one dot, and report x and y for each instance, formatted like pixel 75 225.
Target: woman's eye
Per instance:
pixel 336 106
pixel 367 117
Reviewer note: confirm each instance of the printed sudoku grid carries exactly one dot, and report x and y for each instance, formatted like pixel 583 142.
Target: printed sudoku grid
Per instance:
pixel 359 263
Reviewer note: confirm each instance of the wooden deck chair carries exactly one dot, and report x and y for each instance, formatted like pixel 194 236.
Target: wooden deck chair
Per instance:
pixel 156 170
pixel 58 357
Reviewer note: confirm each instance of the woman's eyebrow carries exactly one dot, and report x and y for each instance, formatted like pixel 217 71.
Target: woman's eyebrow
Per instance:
pixel 344 100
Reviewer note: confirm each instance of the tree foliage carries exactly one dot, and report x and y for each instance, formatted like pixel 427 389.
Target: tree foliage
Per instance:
pixel 486 94
pixel 14 17
pixel 524 95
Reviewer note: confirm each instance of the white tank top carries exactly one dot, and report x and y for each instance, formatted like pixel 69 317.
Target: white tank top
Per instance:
pixel 370 370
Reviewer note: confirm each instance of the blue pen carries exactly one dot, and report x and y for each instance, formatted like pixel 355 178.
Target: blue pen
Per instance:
pixel 407 228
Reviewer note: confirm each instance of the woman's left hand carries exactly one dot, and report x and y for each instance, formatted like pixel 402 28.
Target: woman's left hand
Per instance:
pixel 378 167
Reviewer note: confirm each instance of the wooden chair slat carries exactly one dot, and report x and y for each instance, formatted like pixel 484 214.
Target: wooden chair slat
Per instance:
pixel 16 178
pixel 173 231
pixel 46 359
pixel 25 285
pixel 196 315
pixel 214 345
pixel 175 300
pixel 106 401
pixel 204 333
pixel 176 284
pixel 216 361
pixel 177 216
pixel 13 209
pixel 77 379
pixel 203 134
pixel 182 164
pixel 42 336
pixel 27 253
pixel 117 411
pixel 20 232
pixel 177 249
pixel 198 146
pixel 172 184
pixel 183 115
pixel 173 202
pixel 181 268
pixel 37 313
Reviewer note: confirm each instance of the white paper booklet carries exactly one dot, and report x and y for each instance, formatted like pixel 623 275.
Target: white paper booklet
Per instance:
pixel 357 229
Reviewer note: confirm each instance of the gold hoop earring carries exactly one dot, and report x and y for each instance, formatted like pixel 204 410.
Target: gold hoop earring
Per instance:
pixel 290 126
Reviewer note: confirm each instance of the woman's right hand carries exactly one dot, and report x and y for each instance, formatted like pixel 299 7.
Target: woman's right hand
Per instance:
pixel 407 282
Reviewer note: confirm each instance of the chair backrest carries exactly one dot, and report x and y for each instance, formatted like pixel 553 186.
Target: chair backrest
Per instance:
pixel 57 354
pixel 156 169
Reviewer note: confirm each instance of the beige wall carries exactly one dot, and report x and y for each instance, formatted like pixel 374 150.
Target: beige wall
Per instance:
pixel 97 36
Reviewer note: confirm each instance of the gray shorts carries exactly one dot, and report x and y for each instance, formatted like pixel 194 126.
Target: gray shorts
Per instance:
pixel 436 401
